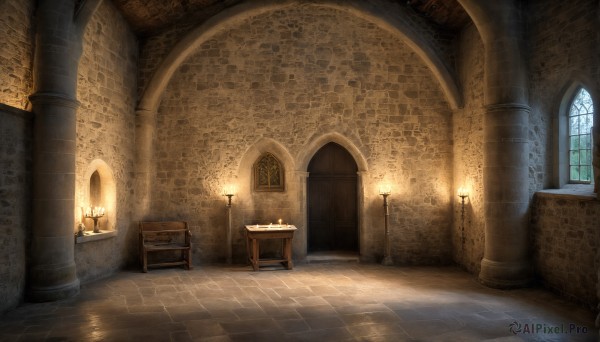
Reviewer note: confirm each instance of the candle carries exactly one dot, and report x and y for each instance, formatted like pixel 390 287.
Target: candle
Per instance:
pixel 279 222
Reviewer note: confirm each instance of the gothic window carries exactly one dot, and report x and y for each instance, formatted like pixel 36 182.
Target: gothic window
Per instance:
pixel 581 118
pixel 268 174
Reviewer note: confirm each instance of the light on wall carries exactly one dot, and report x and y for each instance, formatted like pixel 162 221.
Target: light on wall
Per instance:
pixel 385 191
pixel 229 191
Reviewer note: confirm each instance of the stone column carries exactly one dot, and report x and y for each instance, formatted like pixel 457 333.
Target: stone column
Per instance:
pixel 506 152
pixel 145 127
pixel 52 274
pixel 300 242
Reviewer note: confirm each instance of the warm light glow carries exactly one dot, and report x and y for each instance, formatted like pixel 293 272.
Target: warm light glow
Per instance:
pixel 385 189
pixel 95 211
pixel 462 192
pixel 228 190
pixel 280 222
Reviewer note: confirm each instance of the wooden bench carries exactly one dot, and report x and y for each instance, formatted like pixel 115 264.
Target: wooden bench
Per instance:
pixel 167 236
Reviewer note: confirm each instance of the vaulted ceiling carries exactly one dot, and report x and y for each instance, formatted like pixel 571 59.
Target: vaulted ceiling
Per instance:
pixel 148 17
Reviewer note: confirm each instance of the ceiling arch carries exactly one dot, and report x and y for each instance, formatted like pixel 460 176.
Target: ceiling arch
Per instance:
pixel 235 15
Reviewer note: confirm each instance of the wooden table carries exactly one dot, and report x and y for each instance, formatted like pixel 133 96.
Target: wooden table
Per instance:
pixel 255 233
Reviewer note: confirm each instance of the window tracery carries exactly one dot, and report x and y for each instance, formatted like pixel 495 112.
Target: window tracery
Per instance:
pixel 268 174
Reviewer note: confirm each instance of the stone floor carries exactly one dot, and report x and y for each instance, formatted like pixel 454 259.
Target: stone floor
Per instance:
pixel 313 302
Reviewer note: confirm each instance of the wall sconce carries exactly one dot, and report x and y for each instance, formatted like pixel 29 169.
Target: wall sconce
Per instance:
pixel 229 191
pixel 95 213
pixel 462 193
pixel 385 191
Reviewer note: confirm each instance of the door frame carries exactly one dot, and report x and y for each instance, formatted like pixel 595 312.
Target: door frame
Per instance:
pixel 304 158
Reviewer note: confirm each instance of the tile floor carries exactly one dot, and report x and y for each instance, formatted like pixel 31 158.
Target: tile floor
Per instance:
pixel 313 302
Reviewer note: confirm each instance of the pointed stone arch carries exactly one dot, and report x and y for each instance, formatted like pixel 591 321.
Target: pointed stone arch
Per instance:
pixel 561 123
pixel 363 182
pixel 259 148
pixel 107 193
pixel 150 99
pixel 315 144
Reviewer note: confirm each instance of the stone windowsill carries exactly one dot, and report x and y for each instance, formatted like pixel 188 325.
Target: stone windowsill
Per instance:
pixel 90 236
pixel 571 191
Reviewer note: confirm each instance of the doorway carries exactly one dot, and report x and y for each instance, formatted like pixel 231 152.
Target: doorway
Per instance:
pixel 332 201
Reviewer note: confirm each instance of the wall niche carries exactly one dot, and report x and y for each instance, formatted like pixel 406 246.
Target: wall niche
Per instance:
pixel 97 202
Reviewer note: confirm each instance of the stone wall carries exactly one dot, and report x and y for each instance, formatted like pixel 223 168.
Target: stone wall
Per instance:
pixel 105 131
pixel 564 231
pixel 293 77
pixel 154 47
pixel 566 239
pixel 564 51
pixel 15 203
pixel 16 52
pixel 468 154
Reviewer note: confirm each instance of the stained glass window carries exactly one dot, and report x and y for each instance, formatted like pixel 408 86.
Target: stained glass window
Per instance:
pixel 268 174
pixel 581 118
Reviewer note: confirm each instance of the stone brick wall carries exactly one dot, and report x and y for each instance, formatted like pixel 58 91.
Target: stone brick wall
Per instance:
pixel 564 50
pixel 105 130
pixel 293 76
pixel 566 239
pixel 16 52
pixel 468 154
pixel 15 202
pixel 154 47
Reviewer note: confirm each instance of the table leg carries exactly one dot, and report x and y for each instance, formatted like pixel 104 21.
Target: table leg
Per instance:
pixel 248 248
pixel 288 253
pixel 255 253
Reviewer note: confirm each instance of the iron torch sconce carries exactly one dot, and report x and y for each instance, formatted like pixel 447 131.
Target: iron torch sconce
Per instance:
pixel 229 192
pixel 385 191
pixel 462 193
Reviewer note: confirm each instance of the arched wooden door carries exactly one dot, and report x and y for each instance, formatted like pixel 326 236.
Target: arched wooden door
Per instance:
pixel 332 200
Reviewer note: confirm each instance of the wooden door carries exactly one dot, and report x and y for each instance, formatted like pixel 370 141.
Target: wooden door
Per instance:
pixel 332 200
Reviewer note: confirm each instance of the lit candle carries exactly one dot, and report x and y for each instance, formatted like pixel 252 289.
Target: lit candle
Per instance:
pixel 385 189
pixel 462 192
pixel 279 222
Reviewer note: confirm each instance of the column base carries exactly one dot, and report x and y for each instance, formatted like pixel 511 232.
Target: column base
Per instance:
pixel 505 275
pixel 387 261
pixel 53 293
pixel 49 283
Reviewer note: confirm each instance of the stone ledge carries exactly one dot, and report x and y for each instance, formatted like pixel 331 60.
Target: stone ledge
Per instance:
pixel 89 236
pixel 575 193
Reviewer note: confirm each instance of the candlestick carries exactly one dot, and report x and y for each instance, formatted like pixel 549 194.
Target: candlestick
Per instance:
pixel 387 258
pixel 95 213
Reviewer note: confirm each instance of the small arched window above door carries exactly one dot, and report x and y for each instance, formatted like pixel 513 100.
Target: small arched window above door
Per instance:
pixel 268 174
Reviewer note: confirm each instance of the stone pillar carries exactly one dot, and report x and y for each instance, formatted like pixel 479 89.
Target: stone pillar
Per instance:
pixel 145 126
pixel 506 196
pixel 506 152
pixel 300 242
pixel 52 274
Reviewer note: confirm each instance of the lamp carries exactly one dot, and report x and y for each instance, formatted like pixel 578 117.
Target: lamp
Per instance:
pixel 229 192
pixel 462 193
pixel 385 191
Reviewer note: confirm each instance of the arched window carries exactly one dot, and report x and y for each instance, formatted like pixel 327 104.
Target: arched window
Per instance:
pixel 581 118
pixel 268 174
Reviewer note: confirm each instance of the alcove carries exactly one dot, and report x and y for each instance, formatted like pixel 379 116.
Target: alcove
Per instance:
pixel 97 189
